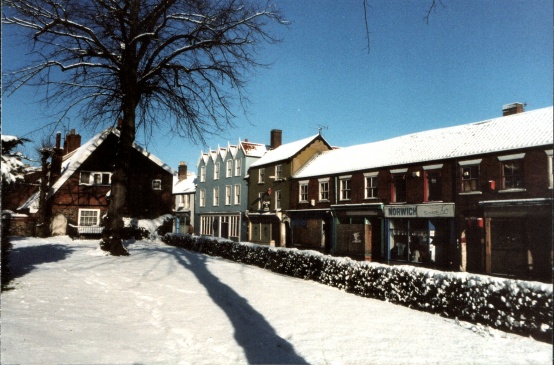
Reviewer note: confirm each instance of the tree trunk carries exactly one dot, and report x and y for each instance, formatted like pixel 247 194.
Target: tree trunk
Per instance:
pixel 112 240
pixel 43 211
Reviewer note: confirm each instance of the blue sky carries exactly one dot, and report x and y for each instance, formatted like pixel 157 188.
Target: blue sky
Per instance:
pixel 472 57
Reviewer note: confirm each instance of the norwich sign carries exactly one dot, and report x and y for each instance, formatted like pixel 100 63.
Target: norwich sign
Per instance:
pixel 419 211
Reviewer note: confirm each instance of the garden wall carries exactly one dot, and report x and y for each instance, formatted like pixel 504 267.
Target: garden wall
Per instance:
pixel 522 307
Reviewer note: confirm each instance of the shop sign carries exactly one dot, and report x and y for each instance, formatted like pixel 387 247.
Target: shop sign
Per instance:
pixel 419 211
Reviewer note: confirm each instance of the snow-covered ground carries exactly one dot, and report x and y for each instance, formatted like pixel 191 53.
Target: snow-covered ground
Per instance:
pixel 164 305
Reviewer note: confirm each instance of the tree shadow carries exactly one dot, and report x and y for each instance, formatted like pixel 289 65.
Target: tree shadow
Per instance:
pixel 253 333
pixel 23 260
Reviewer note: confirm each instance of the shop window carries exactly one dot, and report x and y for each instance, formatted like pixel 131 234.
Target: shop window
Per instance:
pixel 324 189
pixel 216 171
pixel 202 173
pixel 229 169
pixel 202 198
pixel 228 196
pixel 345 187
pixel 237 194
pixel 207 225
pixel 409 240
pixel 370 185
pixel 238 167
pixel 398 189
pixel 216 197
pixel 95 178
pixel 303 190
pixel 89 217
pixel 261 176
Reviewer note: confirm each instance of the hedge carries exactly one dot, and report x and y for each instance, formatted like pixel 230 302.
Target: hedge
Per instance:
pixel 517 306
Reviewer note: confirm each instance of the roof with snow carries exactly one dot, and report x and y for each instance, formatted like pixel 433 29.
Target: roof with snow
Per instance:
pixel 285 151
pixel 523 130
pixel 185 186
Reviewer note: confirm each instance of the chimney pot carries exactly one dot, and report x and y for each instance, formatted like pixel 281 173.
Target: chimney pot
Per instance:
pixel 276 138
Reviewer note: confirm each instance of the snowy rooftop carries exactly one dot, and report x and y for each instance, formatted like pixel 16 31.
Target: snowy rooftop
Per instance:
pixel 185 186
pixel 529 129
pixel 283 152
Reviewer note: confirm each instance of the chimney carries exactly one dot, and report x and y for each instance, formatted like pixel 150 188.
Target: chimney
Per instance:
pixel 182 172
pixel 72 142
pixel 514 108
pixel 276 135
pixel 56 164
pixel 58 140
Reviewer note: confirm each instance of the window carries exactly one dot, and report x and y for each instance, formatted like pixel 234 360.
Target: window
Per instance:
pixel 202 198
pixel 432 183
pixel 237 194
pixel 216 197
pixel 370 180
pixel 324 189
pixel 261 176
pixel 470 176
pixel 277 199
pixel 512 171
pixel 216 171
pixel 183 201
pixel 278 172
pixel 203 174
pixel 229 170
pixel 238 167
pixel 228 189
pixel 156 184
pixel 398 188
pixel 345 187
pixel 550 172
pixel 303 190
pixel 89 217
pixel 95 178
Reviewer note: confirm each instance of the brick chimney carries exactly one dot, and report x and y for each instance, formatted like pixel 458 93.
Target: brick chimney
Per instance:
pixel 72 142
pixel 276 135
pixel 56 165
pixel 182 172
pixel 514 108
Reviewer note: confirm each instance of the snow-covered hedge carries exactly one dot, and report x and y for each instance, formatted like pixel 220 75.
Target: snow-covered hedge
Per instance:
pixel 522 307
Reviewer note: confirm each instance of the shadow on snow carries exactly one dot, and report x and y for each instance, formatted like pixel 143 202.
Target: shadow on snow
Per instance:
pixel 253 333
pixel 23 260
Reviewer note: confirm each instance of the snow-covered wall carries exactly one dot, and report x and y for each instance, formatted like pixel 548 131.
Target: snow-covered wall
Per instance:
pixel 518 306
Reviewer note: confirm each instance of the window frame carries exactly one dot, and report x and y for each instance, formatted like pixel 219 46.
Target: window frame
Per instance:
pixel 92 178
pixel 237 193
pixel 370 176
pixel 84 210
pixel 549 168
pixel 238 167
pixel 345 187
pixel 216 171
pixel 156 184
pixel 228 194
pixel 215 196
pixel 398 174
pixel 514 159
pixel 202 173
pixel 469 164
pixel 278 172
pixel 321 191
pixel 261 175
pixel 278 197
pixel 202 198
pixel 303 190
pixel 229 168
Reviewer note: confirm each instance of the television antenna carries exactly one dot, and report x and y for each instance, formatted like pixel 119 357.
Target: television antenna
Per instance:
pixel 320 127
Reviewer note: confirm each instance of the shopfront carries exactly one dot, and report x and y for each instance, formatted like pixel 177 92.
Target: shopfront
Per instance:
pixel 421 234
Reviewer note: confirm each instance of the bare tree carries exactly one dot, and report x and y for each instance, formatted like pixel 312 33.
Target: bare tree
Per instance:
pixel 182 62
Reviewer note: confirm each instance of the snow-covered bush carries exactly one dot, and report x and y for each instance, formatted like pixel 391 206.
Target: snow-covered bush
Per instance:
pixel 512 305
pixel 152 229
